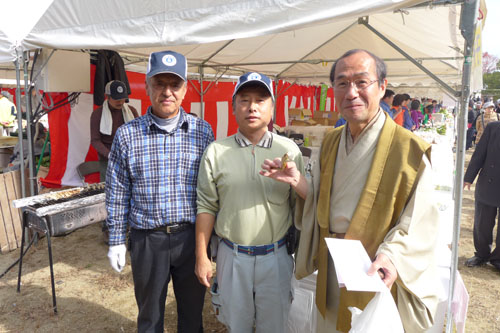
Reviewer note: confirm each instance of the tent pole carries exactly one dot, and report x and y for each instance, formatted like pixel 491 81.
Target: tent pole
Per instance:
pixel 193 86
pixel 467 26
pixel 215 81
pixel 42 67
pixel 202 108
pixel 364 21
pixel 436 3
pixel 27 95
pixel 217 52
pixel 20 128
pixel 279 93
pixel 202 92
pixel 457 112
pixel 276 83
pixel 318 61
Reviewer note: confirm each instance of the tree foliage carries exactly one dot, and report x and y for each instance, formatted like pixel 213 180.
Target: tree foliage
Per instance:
pixel 490 63
pixel 491 83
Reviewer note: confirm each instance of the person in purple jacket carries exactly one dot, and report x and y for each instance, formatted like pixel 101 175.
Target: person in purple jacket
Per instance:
pixel 416 115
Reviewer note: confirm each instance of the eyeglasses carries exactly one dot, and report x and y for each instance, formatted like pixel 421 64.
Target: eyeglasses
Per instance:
pixel 359 84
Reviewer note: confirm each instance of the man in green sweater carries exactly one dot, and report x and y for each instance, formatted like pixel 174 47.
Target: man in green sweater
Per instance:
pixel 251 215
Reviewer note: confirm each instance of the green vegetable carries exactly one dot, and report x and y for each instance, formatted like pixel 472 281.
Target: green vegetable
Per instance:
pixel 441 130
pixel 45 161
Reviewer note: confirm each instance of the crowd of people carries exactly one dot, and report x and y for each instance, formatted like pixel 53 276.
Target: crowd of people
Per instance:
pixel 480 113
pixel 484 163
pixel 410 113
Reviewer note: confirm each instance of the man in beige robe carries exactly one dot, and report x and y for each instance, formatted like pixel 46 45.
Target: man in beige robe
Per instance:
pixel 372 183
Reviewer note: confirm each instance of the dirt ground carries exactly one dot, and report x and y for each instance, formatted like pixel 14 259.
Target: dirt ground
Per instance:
pixel 91 297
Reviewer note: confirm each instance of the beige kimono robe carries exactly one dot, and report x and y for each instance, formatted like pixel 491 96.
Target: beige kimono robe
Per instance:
pixel 409 244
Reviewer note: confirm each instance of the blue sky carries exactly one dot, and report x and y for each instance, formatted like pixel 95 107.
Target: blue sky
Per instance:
pixel 491 30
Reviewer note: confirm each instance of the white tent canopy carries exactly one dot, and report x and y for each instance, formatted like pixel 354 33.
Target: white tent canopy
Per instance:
pixel 257 35
pixel 316 46
pixel 18 18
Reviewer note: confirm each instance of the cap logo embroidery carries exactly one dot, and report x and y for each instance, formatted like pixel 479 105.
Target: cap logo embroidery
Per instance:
pixel 254 76
pixel 169 60
pixel 119 89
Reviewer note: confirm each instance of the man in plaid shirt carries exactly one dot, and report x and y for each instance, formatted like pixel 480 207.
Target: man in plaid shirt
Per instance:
pixel 151 187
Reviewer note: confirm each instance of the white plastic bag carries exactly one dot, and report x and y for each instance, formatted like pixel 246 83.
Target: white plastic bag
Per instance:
pixel 380 315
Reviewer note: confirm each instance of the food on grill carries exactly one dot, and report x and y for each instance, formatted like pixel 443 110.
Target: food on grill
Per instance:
pixel 71 194
pixel 58 213
pixel 59 196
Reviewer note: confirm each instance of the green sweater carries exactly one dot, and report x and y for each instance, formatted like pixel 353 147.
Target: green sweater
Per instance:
pixel 250 209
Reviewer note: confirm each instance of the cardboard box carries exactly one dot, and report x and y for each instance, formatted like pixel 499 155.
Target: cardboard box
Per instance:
pixel 325 118
pixel 299 114
pixel 309 122
pixel 325 121
pixel 323 114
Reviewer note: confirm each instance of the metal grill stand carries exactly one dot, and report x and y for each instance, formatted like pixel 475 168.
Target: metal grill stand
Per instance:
pixel 49 245
pixel 57 214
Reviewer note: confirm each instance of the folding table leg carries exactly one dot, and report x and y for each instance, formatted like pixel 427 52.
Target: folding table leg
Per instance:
pixel 51 271
pixel 21 255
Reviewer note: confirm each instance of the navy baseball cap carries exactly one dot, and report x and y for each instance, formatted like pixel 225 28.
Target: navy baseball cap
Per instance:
pixel 116 89
pixel 256 78
pixel 167 62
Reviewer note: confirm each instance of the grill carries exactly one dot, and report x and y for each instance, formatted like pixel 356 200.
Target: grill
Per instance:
pixel 59 213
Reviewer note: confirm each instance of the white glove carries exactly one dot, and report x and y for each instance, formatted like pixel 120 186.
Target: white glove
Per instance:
pixel 116 255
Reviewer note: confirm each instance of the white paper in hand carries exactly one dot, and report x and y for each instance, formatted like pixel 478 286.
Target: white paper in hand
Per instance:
pixel 351 264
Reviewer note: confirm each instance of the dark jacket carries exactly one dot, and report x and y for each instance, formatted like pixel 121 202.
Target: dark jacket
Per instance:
pixel 470 117
pixel 486 162
pixel 109 66
pixel 102 142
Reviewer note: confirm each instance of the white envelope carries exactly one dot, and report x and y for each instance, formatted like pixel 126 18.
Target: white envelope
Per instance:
pixel 351 265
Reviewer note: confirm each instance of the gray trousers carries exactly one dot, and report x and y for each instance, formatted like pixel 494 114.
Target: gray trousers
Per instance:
pixel 254 290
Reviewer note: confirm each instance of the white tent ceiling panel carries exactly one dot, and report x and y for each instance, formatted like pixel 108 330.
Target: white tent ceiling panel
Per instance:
pixel 424 43
pixel 422 79
pixel 433 31
pixel 18 18
pixel 283 47
pixel 7 52
pixel 276 32
pixel 249 53
pixel 194 52
pixel 119 24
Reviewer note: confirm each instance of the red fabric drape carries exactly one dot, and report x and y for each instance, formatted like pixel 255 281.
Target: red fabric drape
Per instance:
pixel 58 124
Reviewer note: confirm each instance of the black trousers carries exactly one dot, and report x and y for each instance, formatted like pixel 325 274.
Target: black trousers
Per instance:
pixel 103 167
pixel 469 138
pixel 484 222
pixel 156 256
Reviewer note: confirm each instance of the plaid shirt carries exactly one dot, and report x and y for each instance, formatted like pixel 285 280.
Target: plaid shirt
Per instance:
pixel 151 176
